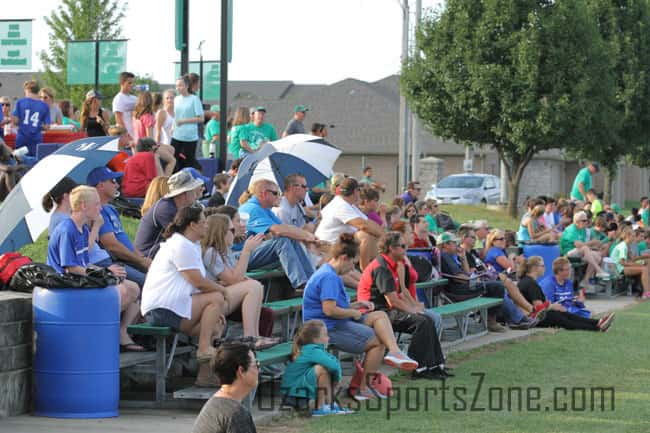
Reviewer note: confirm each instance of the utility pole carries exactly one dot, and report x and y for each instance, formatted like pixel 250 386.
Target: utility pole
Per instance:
pixel 415 121
pixel 223 91
pixel 404 112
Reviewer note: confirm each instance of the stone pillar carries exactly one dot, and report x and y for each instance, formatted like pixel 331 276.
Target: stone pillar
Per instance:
pixel 430 171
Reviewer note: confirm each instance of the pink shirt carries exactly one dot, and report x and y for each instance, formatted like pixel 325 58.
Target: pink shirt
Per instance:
pixel 141 125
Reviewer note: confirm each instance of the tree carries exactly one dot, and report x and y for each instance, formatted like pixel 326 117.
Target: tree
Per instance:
pixel 519 75
pixel 78 20
pixel 624 26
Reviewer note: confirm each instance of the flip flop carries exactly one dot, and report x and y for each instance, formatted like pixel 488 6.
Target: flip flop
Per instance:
pixel 262 343
pixel 131 347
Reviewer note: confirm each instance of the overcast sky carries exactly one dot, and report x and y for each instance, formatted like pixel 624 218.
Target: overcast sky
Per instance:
pixel 305 41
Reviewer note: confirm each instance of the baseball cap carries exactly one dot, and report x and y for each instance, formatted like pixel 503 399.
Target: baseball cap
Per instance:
pixel 596 166
pixel 100 174
pixel 256 109
pixel 300 109
pixel 447 237
pixel 215 108
pixel 94 94
pixel 616 208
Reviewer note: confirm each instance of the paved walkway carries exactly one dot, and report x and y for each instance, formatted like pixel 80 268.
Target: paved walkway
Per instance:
pixel 181 421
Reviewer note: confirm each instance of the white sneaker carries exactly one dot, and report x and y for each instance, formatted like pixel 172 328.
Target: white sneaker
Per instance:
pixel 400 360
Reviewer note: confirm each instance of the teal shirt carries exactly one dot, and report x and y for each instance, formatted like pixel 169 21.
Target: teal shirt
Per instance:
pixel 68 121
pixel 237 132
pixel 569 236
pixel 619 253
pixel 433 224
pixel 645 213
pixel 583 177
pixel 256 135
pixel 212 130
pixel 186 107
pixel 299 379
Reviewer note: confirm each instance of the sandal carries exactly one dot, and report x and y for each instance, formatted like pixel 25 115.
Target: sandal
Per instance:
pixel 262 343
pixel 204 357
pixel 131 347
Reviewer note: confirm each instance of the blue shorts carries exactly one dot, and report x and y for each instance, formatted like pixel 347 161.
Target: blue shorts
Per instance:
pixel 164 317
pixel 351 336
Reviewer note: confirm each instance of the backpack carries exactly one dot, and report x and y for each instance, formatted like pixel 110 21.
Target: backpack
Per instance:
pixel 125 207
pixel 445 222
pixel 9 264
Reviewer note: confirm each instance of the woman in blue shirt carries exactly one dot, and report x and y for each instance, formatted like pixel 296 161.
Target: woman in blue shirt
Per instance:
pixel 352 327
pixel 496 252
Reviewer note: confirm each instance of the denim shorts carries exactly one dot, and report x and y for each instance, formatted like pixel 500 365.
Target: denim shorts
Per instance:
pixel 351 336
pixel 164 317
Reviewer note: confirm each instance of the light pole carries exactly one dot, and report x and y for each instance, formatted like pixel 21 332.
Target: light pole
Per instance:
pixel 201 69
pixel 403 108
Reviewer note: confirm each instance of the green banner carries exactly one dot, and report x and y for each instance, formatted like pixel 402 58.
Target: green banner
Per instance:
pixel 81 61
pixel 16 44
pixel 210 79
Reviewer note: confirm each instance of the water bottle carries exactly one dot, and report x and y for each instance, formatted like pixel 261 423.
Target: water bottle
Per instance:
pixel 141 87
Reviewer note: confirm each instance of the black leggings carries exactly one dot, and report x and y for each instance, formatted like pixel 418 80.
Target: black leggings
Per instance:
pixel 185 154
pixel 425 346
pixel 567 320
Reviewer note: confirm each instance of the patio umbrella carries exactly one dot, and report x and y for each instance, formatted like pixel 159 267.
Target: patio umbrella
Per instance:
pixel 23 218
pixel 304 154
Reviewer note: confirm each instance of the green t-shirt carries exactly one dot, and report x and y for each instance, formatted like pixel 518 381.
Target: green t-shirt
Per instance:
pixel 584 177
pixel 596 207
pixel 642 246
pixel 602 237
pixel 68 121
pixel 212 130
pixel 569 236
pixel 433 224
pixel 619 252
pixel 256 135
pixel 237 132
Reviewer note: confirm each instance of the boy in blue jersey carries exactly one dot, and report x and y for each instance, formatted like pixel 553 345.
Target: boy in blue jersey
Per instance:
pixel 68 247
pixel 32 116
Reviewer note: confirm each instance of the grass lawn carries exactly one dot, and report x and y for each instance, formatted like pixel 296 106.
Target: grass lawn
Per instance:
pixel 562 364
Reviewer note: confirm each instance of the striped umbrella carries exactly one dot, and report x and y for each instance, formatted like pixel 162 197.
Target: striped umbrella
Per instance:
pixel 23 218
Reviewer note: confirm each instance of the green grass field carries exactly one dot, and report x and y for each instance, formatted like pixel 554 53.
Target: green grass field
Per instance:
pixel 556 375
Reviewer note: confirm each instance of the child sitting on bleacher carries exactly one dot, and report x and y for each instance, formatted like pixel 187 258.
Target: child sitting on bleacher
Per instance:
pixel 313 373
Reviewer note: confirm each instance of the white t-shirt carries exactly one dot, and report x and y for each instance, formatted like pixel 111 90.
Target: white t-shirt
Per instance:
pixel 292 215
pixel 125 104
pixel 165 286
pixel 335 217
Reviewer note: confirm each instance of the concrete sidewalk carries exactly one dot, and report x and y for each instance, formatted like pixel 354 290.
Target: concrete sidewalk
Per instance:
pixel 180 421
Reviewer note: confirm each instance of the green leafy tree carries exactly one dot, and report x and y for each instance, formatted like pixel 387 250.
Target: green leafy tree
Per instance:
pixel 624 27
pixel 78 20
pixel 522 76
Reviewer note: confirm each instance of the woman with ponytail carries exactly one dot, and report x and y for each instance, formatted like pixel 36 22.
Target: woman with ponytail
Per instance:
pixel 177 293
pixel 58 196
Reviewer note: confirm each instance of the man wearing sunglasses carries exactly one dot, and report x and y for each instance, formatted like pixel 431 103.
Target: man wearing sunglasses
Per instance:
pixel 284 241
pixel 290 210
pixel 412 192
pixel 5 114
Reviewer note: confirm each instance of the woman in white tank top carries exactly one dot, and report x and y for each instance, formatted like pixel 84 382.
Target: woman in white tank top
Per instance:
pixel 165 118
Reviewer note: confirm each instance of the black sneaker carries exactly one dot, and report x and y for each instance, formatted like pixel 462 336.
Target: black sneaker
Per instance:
pixel 431 374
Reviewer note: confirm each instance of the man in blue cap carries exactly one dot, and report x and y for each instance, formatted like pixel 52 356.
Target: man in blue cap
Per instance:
pixel 112 236
pixel 295 125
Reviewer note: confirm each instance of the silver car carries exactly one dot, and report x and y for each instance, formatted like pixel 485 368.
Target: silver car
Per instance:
pixel 466 188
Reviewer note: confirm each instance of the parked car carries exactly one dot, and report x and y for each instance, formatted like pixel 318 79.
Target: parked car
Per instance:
pixel 466 188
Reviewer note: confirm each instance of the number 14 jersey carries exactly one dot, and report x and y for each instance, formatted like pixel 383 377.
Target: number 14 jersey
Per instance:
pixel 32 114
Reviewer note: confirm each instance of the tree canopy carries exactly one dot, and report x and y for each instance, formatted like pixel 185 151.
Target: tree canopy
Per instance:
pixel 522 76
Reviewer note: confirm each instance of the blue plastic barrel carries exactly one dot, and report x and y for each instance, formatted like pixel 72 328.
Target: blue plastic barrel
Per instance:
pixel 76 352
pixel 547 252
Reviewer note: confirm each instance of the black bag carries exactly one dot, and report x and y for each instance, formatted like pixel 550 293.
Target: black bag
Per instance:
pixel 41 275
pixel 445 222
pixel 125 207
pixel 423 267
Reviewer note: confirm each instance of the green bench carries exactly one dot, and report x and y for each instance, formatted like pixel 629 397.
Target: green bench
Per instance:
pixel 266 275
pixel 160 359
pixel 460 311
pixel 428 287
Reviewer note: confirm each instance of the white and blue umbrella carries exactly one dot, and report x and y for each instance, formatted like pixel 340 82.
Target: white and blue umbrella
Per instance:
pixel 23 218
pixel 308 155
